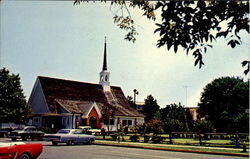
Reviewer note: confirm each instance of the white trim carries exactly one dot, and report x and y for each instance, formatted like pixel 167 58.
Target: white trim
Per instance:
pixel 129 117
pixel 38 83
pixel 94 105
pixel 61 105
pixel 33 91
pixel 44 96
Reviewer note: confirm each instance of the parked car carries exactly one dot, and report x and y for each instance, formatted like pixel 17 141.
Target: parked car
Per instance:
pixel 69 136
pixel 89 130
pixel 28 132
pixel 20 150
pixel 5 132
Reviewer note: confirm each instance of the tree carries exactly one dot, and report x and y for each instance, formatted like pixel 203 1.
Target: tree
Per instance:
pixel 150 108
pixel 108 113
pixel 242 122
pixel 131 102
pixel 153 126
pixel 223 100
pixel 203 126
pixel 176 118
pixel 173 125
pixel 192 25
pixel 13 105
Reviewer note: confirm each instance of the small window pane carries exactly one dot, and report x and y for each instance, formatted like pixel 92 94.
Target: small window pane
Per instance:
pixel 112 122
pixel 129 122
pixel 124 122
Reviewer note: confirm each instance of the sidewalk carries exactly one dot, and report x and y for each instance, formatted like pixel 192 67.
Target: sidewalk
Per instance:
pixel 179 148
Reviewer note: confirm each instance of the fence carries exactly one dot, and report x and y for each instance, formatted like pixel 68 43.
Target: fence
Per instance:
pixel 186 138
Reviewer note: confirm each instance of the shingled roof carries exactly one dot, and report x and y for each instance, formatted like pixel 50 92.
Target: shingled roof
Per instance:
pixel 58 90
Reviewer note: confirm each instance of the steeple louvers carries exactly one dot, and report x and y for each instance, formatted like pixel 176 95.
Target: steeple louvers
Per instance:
pixel 104 68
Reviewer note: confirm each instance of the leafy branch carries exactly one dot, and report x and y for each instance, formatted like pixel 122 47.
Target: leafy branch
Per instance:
pixel 191 25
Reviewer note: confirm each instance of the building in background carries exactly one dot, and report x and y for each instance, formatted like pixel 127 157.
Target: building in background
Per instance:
pixel 194 112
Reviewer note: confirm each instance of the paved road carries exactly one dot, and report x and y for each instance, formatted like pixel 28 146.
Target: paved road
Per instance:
pixel 107 152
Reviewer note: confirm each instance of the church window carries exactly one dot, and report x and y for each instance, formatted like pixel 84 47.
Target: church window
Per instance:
pixel 112 122
pixel 126 122
pixel 129 122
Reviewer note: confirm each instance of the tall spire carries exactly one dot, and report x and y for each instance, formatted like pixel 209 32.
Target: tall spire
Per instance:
pixel 104 68
pixel 104 74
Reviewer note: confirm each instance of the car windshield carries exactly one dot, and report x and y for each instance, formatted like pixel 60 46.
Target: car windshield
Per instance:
pixel 63 131
pixel 19 128
pixel 77 132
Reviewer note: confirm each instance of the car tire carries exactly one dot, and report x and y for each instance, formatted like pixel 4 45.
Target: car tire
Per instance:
pixel 70 142
pixel 25 156
pixel 54 143
pixel 90 141
pixel 40 139
pixel 13 139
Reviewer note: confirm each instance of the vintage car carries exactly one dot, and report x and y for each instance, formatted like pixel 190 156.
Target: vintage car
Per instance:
pixel 89 130
pixel 28 132
pixel 69 136
pixel 20 150
pixel 4 132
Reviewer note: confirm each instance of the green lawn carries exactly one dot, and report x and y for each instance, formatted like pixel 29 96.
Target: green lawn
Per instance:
pixel 177 147
pixel 183 141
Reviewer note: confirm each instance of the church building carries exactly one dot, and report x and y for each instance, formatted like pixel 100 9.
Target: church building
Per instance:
pixel 60 103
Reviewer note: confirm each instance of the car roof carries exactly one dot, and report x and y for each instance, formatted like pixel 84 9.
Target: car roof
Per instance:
pixel 83 127
pixel 29 127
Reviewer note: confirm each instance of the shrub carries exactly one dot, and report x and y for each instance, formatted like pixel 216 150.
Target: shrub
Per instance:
pixel 146 138
pixel 134 138
pixel 114 137
pixel 173 125
pixel 203 126
pixel 157 139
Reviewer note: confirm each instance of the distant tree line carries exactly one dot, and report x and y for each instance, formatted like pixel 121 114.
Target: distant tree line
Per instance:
pixel 223 107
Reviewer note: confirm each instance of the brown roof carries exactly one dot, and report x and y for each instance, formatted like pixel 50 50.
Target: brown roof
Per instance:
pixel 60 91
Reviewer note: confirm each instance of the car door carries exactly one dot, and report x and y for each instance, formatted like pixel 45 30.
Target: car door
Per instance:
pixel 75 136
pixel 32 132
pixel 80 136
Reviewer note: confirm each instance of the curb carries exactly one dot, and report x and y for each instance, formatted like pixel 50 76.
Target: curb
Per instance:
pixel 177 150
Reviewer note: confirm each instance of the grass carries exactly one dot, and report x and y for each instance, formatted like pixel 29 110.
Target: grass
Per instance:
pixel 184 141
pixel 177 147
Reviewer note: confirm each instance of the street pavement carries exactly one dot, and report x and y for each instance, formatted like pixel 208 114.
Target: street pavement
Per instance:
pixel 63 151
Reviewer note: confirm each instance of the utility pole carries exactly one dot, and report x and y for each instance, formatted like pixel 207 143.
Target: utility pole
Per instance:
pixel 186 87
pixel 186 124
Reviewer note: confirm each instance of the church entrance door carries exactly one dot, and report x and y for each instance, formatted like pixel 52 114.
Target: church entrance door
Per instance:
pixel 92 122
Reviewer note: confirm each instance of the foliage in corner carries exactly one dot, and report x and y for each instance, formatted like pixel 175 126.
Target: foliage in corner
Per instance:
pixel 192 25
pixel 13 105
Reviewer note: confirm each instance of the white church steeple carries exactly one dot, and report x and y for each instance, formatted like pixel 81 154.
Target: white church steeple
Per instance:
pixel 104 74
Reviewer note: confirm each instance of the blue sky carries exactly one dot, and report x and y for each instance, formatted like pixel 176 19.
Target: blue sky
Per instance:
pixel 58 39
